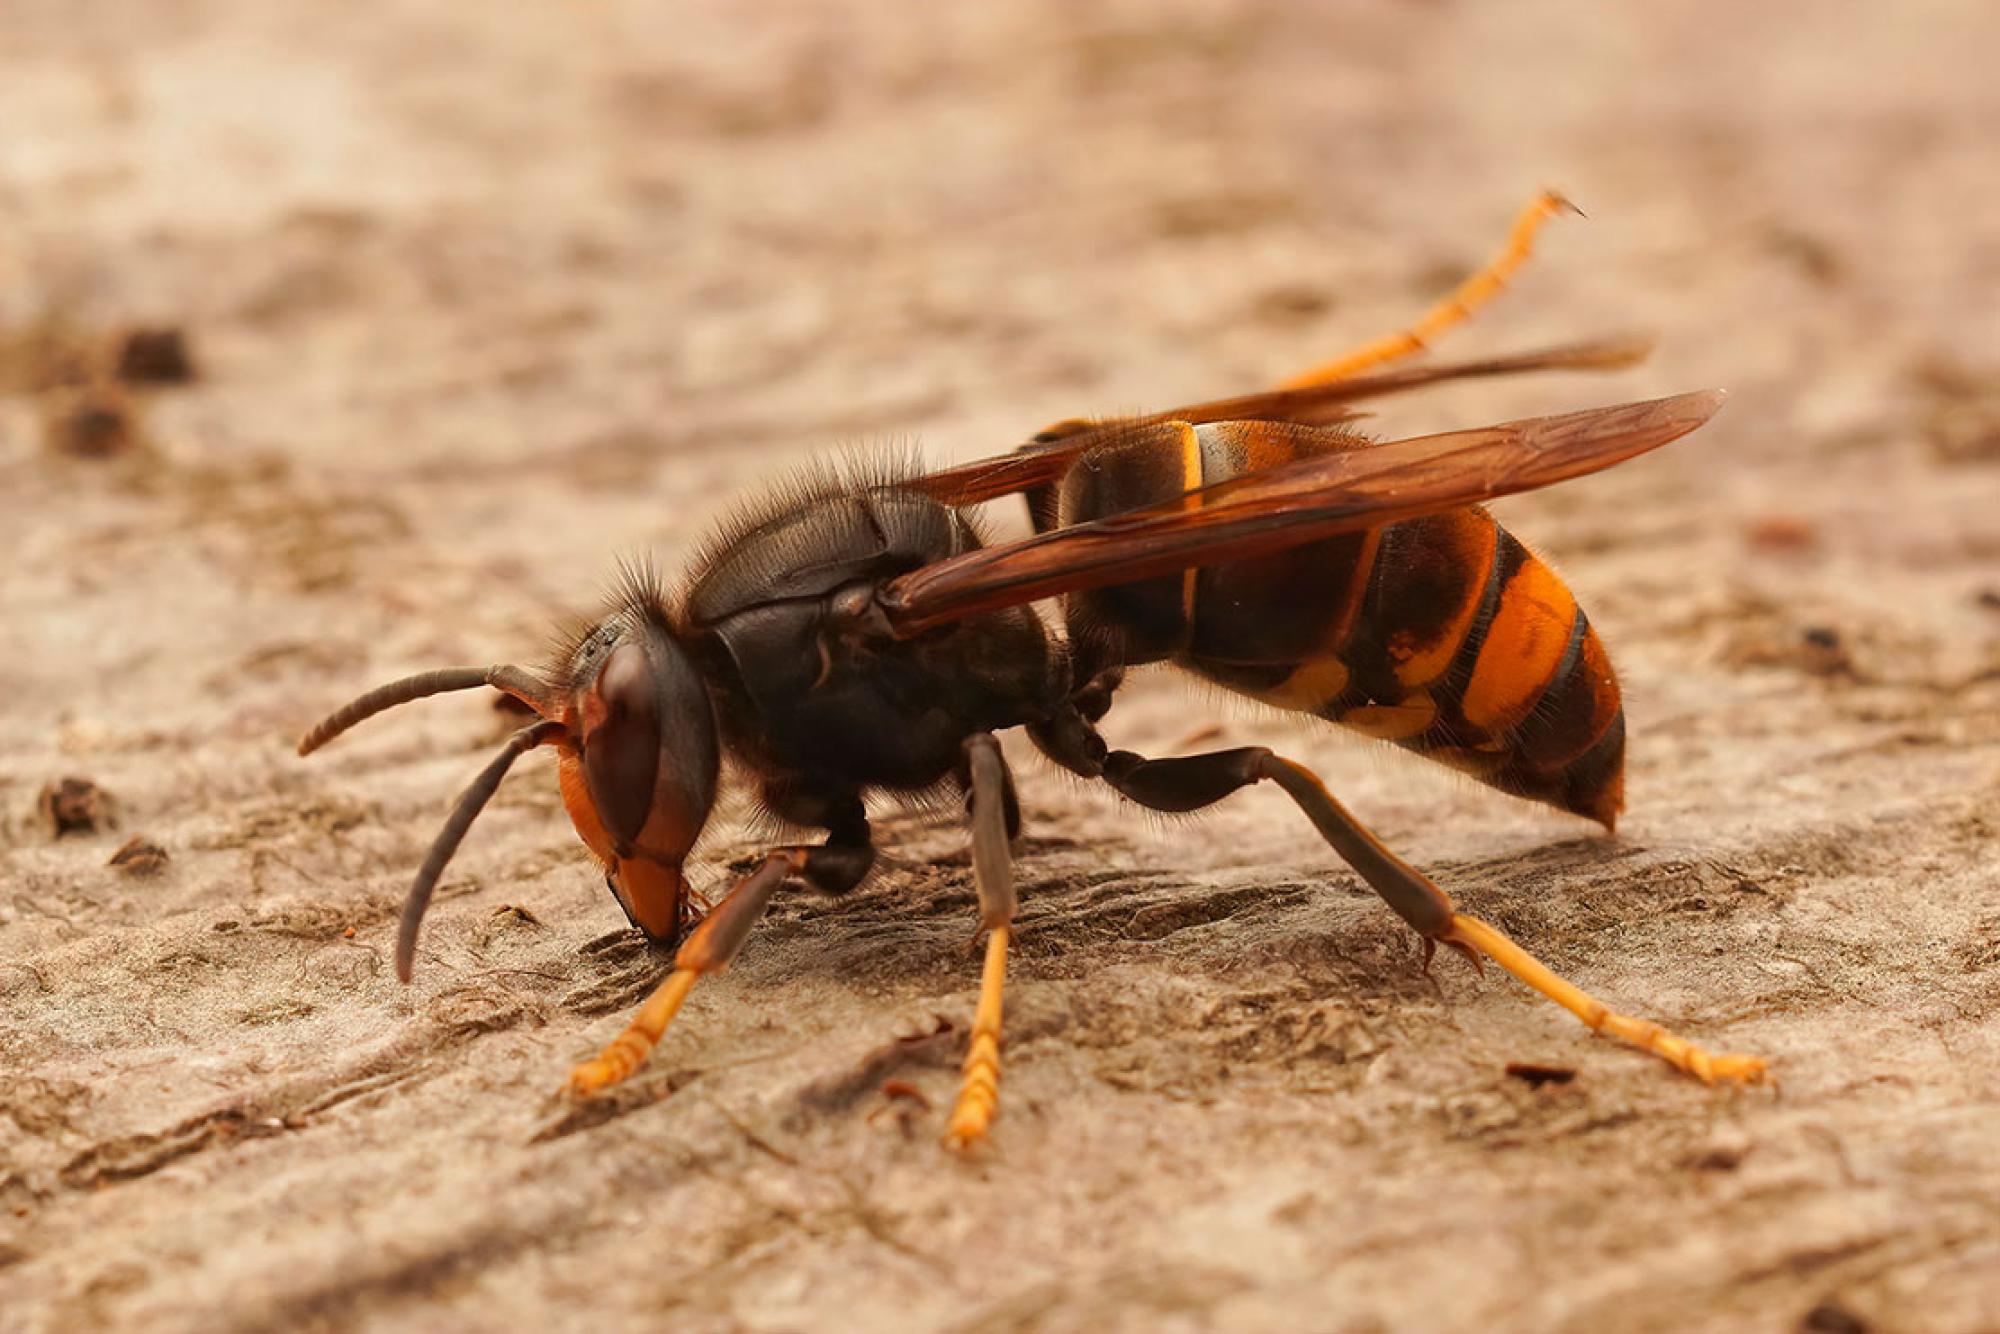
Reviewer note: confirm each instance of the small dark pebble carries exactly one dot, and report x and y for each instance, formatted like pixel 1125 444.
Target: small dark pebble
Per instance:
pixel 1537 1075
pixel 73 806
pixel 1830 1317
pixel 1988 598
pixel 1814 256
pixel 1783 532
pixel 90 421
pixel 1292 303
pixel 1965 432
pixel 155 356
pixel 905 1090
pixel 1822 653
pixel 139 856
pixel 1722 1159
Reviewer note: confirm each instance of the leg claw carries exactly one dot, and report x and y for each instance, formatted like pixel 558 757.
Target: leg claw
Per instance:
pixel 590 1079
pixel 1472 955
pixel 971 1120
pixel 964 1142
pixel 1731 1067
pixel 1470 934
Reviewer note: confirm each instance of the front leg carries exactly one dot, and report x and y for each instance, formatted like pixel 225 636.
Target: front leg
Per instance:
pixel 834 867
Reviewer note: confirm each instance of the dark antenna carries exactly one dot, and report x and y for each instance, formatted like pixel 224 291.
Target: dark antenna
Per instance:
pixel 470 803
pixel 521 684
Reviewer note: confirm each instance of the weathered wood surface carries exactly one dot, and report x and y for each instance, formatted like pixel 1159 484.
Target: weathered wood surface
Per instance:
pixel 482 297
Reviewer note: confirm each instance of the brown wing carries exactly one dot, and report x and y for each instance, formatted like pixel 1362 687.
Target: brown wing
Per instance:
pixel 1045 458
pixel 1299 502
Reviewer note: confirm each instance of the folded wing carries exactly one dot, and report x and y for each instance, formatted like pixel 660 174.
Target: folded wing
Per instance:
pixel 1300 502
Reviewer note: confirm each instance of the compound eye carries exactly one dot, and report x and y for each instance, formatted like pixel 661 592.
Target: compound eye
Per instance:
pixel 621 743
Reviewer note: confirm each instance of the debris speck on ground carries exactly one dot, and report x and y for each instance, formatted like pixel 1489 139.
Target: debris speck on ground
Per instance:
pixel 155 356
pixel 75 806
pixel 140 856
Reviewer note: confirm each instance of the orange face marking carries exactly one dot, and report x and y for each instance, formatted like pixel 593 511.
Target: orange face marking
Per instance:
pixel 652 891
pixel 582 813
pixel 1523 647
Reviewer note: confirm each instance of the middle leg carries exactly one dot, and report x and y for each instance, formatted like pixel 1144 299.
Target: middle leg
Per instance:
pixel 995 816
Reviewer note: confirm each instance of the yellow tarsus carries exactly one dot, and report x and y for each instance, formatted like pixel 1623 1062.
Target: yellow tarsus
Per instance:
pixel 979 1087
pixel 1728 1067
pixel 630 1049
pixel 1471 294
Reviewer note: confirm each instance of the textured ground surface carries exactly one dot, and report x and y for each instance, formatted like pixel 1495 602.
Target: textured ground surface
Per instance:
pixel 482 301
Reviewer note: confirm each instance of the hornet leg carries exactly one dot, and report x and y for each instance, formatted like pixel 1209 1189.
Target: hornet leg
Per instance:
pixel 1202 780
pixel 832 866
pixel 994 815
pixel 1471 294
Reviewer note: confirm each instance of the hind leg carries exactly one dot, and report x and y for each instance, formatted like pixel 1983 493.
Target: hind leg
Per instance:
pixel 1196 781
pixel 1455 309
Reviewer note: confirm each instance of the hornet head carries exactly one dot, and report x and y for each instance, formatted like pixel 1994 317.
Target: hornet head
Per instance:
pixel 635 733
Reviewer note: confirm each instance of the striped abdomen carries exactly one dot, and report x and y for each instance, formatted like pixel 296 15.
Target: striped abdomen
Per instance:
pixel 1442 634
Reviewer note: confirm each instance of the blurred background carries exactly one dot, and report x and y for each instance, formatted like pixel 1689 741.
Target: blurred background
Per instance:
pixel 338 341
